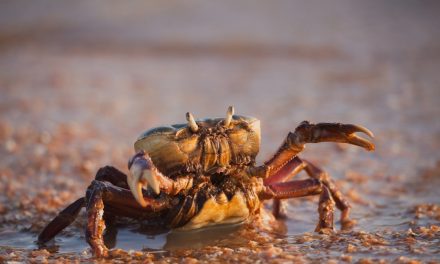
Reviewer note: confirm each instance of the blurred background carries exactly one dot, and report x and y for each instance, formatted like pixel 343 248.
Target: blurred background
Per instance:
pixel 80 80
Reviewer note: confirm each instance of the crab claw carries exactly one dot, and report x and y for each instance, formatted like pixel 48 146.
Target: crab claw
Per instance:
pixel 356 140
pixel 142 174
pixel 344 133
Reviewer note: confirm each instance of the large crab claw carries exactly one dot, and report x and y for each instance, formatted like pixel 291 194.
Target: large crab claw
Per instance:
pixel 142 174
pixel 337 132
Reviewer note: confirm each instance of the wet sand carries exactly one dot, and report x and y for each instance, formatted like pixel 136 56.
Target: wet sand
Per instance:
pixel 79 82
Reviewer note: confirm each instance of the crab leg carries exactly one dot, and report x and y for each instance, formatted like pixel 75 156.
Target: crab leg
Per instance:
pixel 61 221
pixel 112 175
pixel 101 193
pixel 291 189
pixel 341 203
pixel 314 133
pixel 96 224
pixel 69 214
pixel 296 165
pixel 288 171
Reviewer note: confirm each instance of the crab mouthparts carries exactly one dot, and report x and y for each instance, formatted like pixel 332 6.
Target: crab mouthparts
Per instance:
pixel 142 174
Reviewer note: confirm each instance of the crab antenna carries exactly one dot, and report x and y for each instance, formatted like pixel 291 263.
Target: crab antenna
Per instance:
pixel 229 115
pixel 191 122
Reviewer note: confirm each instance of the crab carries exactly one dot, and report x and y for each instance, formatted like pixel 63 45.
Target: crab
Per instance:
pixel 203 173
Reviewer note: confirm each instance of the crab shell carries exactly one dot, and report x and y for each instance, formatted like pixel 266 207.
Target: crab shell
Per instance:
pixel 177 150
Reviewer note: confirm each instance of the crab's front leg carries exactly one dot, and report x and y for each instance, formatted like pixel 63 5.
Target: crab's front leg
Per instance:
pixel 314 133
pixel 135 203
pixel 102 195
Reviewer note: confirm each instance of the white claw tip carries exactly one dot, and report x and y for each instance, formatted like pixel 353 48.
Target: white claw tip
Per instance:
pixel 366 131
pixel 135 185
pixel 151 180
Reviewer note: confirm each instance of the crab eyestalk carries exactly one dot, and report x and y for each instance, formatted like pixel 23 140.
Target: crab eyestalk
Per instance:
pixel 142 174
pixel 229 115
pixel 191 122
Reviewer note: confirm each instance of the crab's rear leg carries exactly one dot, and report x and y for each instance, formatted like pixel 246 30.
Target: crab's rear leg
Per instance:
pixel 287 172
pixel 301 188
pixel 296 165
pixel 341 202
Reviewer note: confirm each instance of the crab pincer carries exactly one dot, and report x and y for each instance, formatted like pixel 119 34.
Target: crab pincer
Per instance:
pixel 142 174
pixel 336 132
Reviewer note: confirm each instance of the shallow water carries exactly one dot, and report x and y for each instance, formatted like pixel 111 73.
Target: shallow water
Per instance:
pixel 130 237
